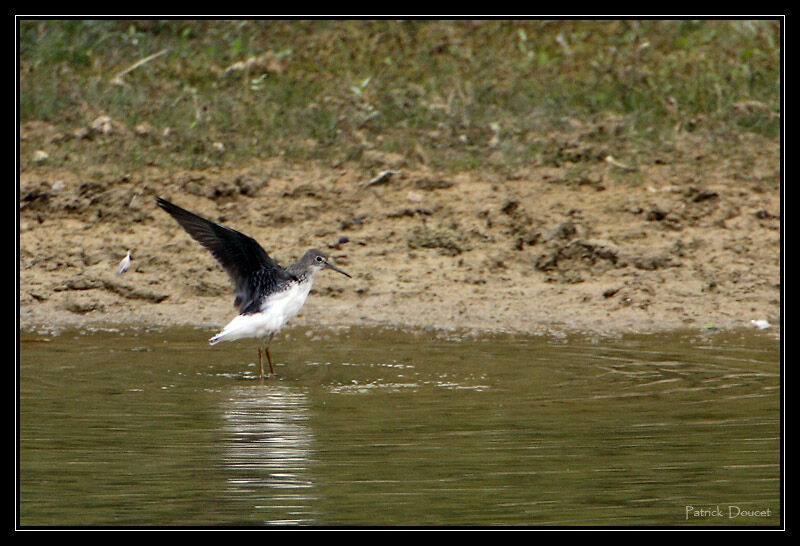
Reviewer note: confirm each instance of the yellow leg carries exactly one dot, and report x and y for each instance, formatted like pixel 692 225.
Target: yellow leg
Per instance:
pixel 269 359
pixel 261 362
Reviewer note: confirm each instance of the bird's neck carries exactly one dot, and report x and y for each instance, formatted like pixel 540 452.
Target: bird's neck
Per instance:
pixel 302 274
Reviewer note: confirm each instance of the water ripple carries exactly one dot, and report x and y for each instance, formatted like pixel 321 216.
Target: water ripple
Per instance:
pixel 268 450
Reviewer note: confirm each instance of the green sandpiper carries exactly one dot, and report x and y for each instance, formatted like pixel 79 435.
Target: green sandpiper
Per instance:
pixel 267 295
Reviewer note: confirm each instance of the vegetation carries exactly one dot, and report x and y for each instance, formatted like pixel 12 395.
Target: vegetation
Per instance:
pixel 453 94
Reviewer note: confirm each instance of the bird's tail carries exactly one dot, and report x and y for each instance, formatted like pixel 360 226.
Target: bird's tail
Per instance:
pixel 240 327
pixel 224 335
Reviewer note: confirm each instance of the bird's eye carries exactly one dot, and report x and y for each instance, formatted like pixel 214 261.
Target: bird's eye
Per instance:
pixel 319 259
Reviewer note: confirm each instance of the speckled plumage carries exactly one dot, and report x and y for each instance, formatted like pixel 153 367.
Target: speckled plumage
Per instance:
pixel 266 294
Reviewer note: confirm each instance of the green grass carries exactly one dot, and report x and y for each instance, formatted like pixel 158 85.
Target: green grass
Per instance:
pixel 337 88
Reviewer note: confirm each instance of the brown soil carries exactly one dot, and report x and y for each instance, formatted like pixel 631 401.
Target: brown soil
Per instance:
pixel 689 239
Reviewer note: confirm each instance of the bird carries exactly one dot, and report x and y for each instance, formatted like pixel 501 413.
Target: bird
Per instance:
pixel 266 294
pixel 124 264
pixel 761 324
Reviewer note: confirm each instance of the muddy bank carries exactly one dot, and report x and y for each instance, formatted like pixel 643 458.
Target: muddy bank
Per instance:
pixel 685 241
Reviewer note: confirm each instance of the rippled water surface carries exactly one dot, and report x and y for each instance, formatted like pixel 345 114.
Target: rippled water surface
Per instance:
pixel 375 428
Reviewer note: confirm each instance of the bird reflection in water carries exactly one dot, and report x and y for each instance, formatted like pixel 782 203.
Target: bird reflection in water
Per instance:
pixel 268 449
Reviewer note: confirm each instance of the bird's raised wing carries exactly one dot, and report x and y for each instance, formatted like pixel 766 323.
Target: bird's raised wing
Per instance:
pixel 247 264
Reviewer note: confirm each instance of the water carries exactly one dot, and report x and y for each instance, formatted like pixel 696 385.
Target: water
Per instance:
pixel 384 428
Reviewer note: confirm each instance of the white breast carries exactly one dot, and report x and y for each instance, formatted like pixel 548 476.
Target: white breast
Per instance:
pixel 283 306
pixel 276 310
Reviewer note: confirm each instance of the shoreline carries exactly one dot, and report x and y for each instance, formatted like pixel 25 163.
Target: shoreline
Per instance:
pixel 480 251
pixel 179 316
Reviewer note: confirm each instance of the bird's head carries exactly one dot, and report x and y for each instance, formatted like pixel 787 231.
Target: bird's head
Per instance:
pixel 316 260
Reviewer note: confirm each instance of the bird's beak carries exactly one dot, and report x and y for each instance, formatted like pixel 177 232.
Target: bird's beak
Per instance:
pixel 331 266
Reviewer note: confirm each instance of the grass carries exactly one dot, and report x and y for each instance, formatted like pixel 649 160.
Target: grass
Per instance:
pixel 466 92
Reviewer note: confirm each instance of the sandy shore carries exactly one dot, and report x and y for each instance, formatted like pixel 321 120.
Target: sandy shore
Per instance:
pixel 688 242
